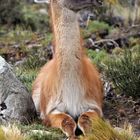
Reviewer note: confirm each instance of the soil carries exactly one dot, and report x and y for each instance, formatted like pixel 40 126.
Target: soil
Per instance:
pixel 120 111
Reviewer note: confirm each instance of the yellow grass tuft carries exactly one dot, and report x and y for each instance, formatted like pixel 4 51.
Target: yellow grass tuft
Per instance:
pixel 10 132
pixel 102 130
pixel 2 137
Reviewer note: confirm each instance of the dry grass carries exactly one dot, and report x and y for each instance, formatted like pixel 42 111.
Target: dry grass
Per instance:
pixel 102 130
pixel 11 132
pixel 127 13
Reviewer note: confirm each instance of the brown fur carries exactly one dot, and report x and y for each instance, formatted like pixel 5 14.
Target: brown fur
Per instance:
pixel 52 77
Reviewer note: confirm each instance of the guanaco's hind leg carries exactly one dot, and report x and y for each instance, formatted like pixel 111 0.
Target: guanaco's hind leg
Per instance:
pixel 62 121
pixel 85 121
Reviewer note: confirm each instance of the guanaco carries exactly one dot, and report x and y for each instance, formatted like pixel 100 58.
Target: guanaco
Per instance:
pixel 69 86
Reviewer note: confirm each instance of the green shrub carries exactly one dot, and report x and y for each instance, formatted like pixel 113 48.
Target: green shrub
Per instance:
pixel 20 36
pixel 36 58
pixel 98 57
pixel 95 26
pixel 10 11
pixel 124 72
pixel 34 19
pixel 15 12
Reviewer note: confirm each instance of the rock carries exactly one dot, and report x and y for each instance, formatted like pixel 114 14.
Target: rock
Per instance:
pixel 15 102
pixel 119 129
pixel 50 51
pixel 109 47
pixel 103 33
pixel 40 132
pixel 122 42
pixel 84 16
pixel 116 21
pixel 122 112
pixel 30 1
pixel 94 37
pixel 43 12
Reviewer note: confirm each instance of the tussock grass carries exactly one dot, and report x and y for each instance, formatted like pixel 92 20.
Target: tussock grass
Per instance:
pixel 29 132
pixel 128 13
pixel 11 132
pixel 102 130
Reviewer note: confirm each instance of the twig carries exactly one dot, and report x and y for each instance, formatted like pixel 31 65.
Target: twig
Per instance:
pixel 106 40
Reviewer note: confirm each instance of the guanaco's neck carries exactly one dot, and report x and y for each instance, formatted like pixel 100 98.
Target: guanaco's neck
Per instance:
pixel 66 33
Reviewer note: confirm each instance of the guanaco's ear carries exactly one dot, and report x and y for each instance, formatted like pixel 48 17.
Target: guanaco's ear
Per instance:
pixel 42 1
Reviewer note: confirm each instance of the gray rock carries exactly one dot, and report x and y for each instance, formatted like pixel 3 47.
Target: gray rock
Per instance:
pixel 15 102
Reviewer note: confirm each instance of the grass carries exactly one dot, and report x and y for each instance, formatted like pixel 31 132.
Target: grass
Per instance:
pixel 34 19
pixel 26 76
pixel 22 43
pixel 47 39
pixel 37 131
pixel 98 57
pixel 101 130
pixel 127 13
pixel 95 26
pixel 123 71
pixel 29 132
pixel 18 35
pixel 121 68
pixel 11 132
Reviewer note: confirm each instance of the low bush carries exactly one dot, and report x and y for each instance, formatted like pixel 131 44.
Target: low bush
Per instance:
pixel 36 58
pixel 16 12
pixel 95 26
pixel 98 57
pixel 122 68
pixel 124 72
pixel 34 19
pixel 10 11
